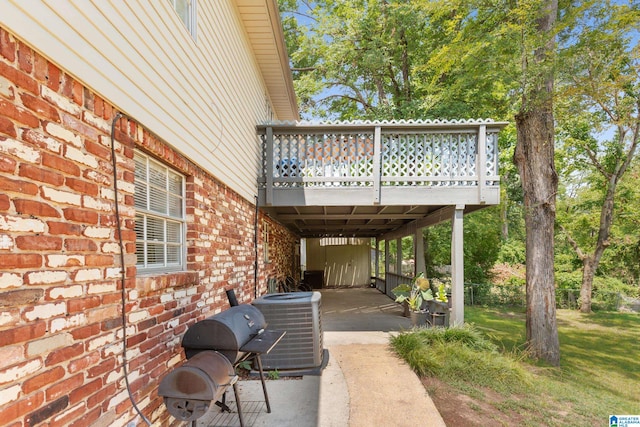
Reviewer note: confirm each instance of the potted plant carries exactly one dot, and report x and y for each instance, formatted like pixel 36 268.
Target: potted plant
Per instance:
pixel 439 307
pixel 415 296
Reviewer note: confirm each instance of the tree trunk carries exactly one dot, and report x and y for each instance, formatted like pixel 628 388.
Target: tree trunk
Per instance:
pixel 586 290
pixel 535 159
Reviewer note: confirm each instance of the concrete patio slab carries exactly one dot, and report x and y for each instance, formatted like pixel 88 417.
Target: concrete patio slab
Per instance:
pixel 363 384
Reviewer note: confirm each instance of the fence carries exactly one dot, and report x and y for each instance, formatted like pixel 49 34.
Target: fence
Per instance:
pixel 487 294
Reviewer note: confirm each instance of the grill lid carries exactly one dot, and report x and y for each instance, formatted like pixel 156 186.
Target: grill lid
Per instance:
pixel 225 332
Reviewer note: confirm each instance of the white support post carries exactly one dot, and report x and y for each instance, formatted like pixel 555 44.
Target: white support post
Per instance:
pixel 457 266
pixel 418 253
pixel 269 171
pixel 377 155
pixel 377 260
pixel 481 166
pixel 386 267
pixel 399 256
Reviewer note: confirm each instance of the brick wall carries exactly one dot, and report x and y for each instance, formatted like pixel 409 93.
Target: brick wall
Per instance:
pixel 61 328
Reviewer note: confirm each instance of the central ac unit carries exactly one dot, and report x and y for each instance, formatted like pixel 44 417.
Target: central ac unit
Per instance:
pixel 297 313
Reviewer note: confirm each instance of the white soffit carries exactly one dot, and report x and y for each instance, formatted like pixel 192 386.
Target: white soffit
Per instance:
pixel 261 20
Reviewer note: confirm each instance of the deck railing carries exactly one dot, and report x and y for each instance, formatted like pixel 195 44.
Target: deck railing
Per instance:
pixel 380 154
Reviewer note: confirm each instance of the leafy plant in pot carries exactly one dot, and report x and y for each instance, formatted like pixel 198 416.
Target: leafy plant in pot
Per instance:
pixel 415 295
pixel 439 307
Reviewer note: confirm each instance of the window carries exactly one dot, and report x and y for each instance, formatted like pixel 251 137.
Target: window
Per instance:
pixel 160 219
pixel 186 10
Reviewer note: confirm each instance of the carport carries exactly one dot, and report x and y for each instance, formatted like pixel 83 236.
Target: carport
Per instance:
pixel 381 180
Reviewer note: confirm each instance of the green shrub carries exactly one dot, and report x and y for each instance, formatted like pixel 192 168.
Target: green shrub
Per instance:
pixel 460 356
pixel 512 252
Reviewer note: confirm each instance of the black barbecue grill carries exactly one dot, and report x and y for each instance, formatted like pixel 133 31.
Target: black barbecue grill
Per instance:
pixel 239 335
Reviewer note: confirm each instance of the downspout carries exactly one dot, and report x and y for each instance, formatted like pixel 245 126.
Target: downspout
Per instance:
pixel 255 247
pixel 122 271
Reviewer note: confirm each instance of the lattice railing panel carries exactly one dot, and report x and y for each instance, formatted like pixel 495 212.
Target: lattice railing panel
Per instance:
pixel 420 157
pixel 429 159
pixel 334 159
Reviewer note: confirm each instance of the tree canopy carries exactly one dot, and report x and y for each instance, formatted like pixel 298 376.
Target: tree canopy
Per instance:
pixel 566 73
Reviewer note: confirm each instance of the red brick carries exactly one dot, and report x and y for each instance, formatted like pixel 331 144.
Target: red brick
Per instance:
pixel 98 150
pixel 64 228
pixel 65 420
pixel 85 332
pixel 66 81
pixel 39 174
pixel 97 176
pixel 109 324
pixel 47 411
pixel 53 82
pixel 60 164
pixel 20 408
pixel 77 92
pixel 86 390
pixel 88 419
pixel 64 387
pixel 19 78
pixel 5 202
pixel 11 261
pixel 25 57
pixel 80 245
pixel 64 354
pixel 82 186
pixel 36 138
pixel 16 186
pixel 98 260
pixel 7 127
pixel 88 99
pixel 98 106
pixel 82 363
pixel 22 333
pixel 41 243
pixel 38 209
pixel 72 123
pixel 43 379
pixel 81 304
pixel 102 396
pixel 102 368
pixel 81 215
pixel 7 45
pixel 40 67
pixel 41 107
pixel 110 298
pixel 136 339
pixel 7 164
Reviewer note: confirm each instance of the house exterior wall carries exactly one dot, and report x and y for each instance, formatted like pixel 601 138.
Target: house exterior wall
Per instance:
pixel 61 323
pixel 203 96
pixel 343 265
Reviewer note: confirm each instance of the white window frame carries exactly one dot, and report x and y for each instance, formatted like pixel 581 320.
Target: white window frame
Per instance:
pixel 189 20
pixel 147 213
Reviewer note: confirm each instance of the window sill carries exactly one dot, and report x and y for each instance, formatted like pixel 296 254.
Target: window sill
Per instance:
pixel 151 282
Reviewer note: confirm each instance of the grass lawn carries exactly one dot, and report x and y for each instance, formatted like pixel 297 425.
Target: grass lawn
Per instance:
pixel 599 373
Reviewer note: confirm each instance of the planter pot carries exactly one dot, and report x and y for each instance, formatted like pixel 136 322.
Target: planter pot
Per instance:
pixel 418 318
pixel 405 307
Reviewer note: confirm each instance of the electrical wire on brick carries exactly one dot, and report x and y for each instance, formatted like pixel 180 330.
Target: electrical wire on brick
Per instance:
pixel 122 271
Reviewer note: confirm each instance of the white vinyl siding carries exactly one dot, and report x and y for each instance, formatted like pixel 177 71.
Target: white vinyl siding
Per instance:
pixel 160 216
pixel 203 96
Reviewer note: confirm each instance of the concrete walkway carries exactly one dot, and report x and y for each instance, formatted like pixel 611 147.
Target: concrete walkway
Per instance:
pixel 364 383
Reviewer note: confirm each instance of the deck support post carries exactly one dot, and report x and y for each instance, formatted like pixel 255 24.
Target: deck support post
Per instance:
pixel 457 266
pixel 399 256
pixel 418 255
